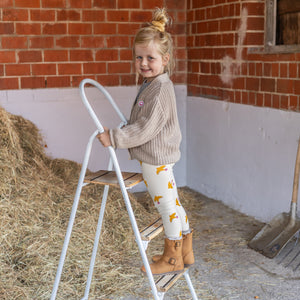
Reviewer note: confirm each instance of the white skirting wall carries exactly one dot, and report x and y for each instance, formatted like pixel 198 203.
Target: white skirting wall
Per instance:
pixel 242 155
pixel 239 154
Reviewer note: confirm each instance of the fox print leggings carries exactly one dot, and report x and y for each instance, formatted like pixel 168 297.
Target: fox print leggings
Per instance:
pixel 161 186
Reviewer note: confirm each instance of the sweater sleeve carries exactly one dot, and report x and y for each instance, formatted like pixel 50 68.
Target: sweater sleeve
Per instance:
pixel 142 130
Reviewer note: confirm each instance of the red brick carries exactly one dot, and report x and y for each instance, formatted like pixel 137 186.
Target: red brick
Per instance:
pixel 252 83
pixel 42 15
pixel 68 15
pixel 267 69
pixel 129 29
pixel 28 29
pixel 293 70
pixel 275 101
pixel 140 16
pixel 117 41
pixel 80 28
pixel 151 4
pixel 258 69
pixel 285 86
pixel 27 3
pixel 107 55
pixel 109 80
pixel 69 69
pixel 7 56
pixel 119 68
pixel 126 54
pixel 75 80
pixel 55 28
pixel 58 81
pixel 6 28
pixel 105 3
pixel 268 100
pixel 41 42
pixel 30 56
pixel 105 28
pixel 55 55
pixel 92 42
pixel 127 80
pixel 283 69
pixel 68 42
pixel 128 4
pixel 297 87
pixel 260 99
pixel 80 3
pixel 9 83
pixel 117 16
pixel 44 69
pixel 6 3
pixel 284 102
pixel 54 3
pixel 94 15
pixel 256 8
pixel 274 70
pixel 15 42
pixel 1 70
pixel 32 82
pixel 15 15
pixel 94 68
pixel 255 23
pixel 254 38
pixel 267 84
pixel 81 55
pixel 17 69
pixel 293 103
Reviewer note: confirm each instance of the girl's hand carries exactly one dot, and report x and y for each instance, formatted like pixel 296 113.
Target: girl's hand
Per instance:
pixel 104 137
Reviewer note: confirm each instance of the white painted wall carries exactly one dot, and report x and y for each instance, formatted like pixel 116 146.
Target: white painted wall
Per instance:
pixel 66 126
pixel 242 155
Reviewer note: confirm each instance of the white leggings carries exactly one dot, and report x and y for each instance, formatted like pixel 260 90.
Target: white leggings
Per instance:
pixel 162 188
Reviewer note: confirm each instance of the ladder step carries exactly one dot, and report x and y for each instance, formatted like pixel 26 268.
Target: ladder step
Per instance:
pixel 110 178
pixel 165 282
pixel 152 230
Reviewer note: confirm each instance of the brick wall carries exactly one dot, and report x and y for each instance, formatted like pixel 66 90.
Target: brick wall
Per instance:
pixel 57 43
pixel 225 40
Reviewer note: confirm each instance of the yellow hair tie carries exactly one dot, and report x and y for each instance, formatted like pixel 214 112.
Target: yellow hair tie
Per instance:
pixel 158 25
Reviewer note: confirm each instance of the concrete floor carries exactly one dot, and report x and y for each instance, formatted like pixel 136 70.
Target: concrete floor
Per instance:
pixel 226 268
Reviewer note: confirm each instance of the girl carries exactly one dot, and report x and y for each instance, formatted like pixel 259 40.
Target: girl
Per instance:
pixel 153 137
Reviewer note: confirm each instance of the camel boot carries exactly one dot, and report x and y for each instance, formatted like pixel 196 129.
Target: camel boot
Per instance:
pixel 171 261
pixel 187 250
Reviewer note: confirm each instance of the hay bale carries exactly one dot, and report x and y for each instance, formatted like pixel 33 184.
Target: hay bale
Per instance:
pixel 36 196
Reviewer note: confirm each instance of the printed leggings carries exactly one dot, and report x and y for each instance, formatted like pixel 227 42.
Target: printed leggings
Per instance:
pixel 161 186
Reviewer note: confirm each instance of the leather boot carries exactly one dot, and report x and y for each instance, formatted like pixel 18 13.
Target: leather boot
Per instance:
pixel 171 261
pixel 187 250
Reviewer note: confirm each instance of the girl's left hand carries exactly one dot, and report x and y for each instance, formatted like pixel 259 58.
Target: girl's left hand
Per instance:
pixel 104 137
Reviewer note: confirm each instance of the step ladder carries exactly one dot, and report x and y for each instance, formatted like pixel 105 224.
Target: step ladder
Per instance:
pixel 125 180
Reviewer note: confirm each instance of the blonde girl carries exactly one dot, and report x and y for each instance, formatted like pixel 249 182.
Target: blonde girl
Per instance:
pixel 153 137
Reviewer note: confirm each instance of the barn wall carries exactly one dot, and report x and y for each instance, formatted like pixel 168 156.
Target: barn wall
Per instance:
pixel 242 108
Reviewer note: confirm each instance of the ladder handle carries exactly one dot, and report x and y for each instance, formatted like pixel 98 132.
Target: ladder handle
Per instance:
pixel 89 107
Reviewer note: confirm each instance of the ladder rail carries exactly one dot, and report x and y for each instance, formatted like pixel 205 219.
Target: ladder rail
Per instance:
pixel 89 107
pixel 73 214
pixel 97 237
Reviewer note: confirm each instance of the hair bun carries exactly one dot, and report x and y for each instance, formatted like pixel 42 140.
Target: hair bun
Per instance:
pixel 160 26
pixel 160 19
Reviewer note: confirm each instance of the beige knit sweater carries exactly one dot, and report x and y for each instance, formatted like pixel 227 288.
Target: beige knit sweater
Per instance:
pixel 152 134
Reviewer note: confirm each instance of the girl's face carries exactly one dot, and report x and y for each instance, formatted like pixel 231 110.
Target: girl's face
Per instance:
pixel 148 61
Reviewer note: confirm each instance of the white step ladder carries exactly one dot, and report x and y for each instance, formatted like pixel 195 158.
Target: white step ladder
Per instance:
pixel 125 180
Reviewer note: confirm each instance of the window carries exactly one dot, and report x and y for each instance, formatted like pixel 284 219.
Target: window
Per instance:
pixel 282 26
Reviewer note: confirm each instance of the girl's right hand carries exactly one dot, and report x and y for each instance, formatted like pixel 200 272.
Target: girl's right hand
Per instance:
pixel 104 137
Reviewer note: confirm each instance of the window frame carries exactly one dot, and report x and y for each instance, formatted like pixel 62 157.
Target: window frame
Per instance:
pixel 270 31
